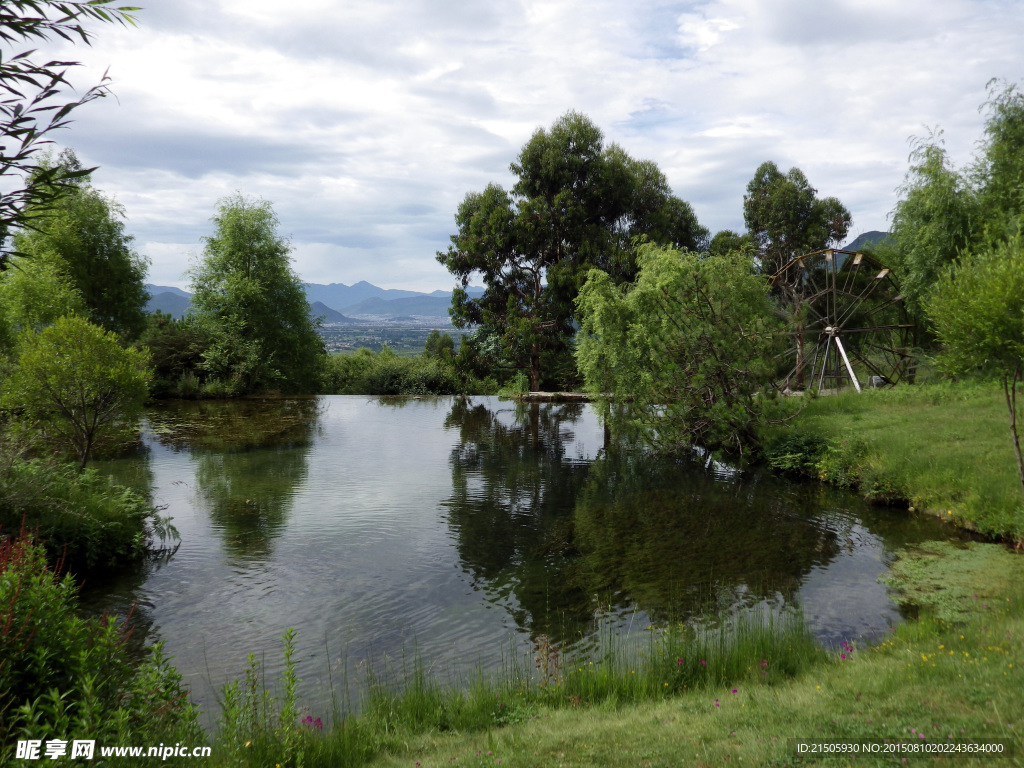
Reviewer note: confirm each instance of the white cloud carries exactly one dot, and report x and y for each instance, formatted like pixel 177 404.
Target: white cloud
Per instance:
pixel 365 123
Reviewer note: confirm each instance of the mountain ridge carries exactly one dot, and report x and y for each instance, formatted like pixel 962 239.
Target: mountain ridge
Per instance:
pixel 335 302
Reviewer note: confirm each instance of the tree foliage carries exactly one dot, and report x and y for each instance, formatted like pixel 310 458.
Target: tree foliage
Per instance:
pixel 691 343
pixel 78 385
pixel 977 310
pixel 83 235
pixel 252 304
pixel 726 241
pixel 785 218
pixel 576 204
pixel 945 212
pixel 934 220
pixel 998 174
pixel 33 294
pixel 33 102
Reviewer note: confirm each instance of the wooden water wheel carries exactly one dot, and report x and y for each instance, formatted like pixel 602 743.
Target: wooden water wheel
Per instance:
pixel 849 325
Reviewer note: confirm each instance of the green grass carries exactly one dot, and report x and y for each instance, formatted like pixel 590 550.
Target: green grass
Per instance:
pixel 758 650
pixel 943 448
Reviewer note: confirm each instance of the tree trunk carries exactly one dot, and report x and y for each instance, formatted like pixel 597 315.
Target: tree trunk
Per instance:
pixel 535 367
pixel 1010 390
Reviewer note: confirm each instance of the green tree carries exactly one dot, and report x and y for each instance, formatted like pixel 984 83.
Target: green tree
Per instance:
pixel 33 294
pixel 727 241
pixel 945 212
pixel 691 343
pixel 78 385
pixel 576 204
pixel 247 295
pixel 439 346
pixel 84 234
pixel 785 218
pixel 933 222
pixel 33 102
pixel 978 313
pixel 999 172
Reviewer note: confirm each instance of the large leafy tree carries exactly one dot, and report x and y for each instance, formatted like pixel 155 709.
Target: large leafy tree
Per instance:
pixel 249 298
pixel 78 385
pixel 33 294
pixel 691 344
pixel 785 217
pixel 977 310
pixel 576 204
pixel 34 102
pixel 83 235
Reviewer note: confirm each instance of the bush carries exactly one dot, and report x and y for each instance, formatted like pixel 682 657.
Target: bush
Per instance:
pixel 83 518
pixel 176 348
pixel 65 677
pixel 385 373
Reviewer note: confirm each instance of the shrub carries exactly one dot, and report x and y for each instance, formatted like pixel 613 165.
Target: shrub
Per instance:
pixel 65 677
pixel 84 517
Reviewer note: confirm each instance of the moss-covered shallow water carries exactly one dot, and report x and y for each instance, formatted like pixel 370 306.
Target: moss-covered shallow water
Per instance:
pixel 463 529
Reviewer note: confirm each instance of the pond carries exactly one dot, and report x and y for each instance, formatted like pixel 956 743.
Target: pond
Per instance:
pixel 464 529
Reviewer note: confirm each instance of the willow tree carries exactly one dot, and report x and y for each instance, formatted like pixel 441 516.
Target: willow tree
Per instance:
pixel 252 305
pixel 691 344
pixel 576 204
pixel 945 211
pixel 34 102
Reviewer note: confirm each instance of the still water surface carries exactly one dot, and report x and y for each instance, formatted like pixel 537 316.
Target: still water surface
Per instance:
pixel 461 527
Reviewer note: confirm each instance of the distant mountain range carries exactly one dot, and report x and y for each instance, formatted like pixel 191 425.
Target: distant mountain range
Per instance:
pixel 335 303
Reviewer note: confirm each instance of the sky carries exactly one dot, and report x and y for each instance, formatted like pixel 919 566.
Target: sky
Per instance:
pixel 366 122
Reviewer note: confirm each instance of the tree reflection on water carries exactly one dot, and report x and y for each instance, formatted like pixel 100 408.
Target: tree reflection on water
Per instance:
pixel 557 540
pixel 250 461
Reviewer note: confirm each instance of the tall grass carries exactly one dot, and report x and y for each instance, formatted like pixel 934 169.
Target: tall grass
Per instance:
pixel 755 649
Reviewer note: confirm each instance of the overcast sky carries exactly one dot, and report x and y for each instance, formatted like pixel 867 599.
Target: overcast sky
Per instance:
pixel 365 122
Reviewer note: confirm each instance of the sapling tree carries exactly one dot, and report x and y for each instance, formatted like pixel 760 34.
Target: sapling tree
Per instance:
pixel 977 310
pixel 77 385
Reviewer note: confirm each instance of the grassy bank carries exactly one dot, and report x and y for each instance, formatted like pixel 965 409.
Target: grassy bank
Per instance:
pixel 757 650
pixel 942 448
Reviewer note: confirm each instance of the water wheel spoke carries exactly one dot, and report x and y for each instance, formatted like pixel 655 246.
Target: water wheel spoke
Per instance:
pixel 884 305
pixel 870 289
pixel 865 361
pixel 853 272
